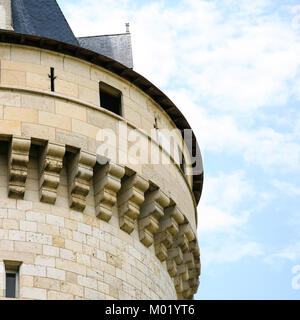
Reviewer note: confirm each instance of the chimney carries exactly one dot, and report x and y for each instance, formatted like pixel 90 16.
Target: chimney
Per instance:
pixel 127 27
pixel 5 15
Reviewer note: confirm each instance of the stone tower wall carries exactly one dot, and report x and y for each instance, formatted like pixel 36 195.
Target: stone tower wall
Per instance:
pixel 79 229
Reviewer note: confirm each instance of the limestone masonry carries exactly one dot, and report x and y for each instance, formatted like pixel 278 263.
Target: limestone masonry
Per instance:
pixel 72 226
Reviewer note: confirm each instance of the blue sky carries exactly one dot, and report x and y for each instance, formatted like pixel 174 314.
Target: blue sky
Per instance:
pixel 233 68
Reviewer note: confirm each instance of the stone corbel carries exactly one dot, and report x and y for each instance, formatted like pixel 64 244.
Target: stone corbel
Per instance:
pixel 18 159
pixel 190 288
pixel 51 164
pixel 175 254
pixel 195 249
pixel 183 272
pixel 107 184
pixel 185 237
pixel 198 267
pixel 187 291
pixel 196 286
pixel 152 211
pixel 189 260
pixel 178 283
pixel 181 281
pixel 130 198
pixel 169 227
pixel 172 267
pixel 80 174
pixel 193 277
pixel 175 258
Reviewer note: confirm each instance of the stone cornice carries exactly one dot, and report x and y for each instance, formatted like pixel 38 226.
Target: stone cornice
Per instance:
pixel 140 205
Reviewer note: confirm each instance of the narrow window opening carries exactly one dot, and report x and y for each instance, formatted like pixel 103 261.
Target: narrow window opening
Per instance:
pixel 155 124
pixel 11 285
pixel 11 279
pixel 181 160
pixel 110 98
pixel 52 78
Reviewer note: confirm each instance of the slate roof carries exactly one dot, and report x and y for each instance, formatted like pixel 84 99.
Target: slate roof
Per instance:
pixel 42 18
pixel 116 46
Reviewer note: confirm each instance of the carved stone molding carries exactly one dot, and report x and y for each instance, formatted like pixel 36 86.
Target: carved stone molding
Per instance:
pixel 188 272
pixel 198 267
pixel 51 164
pixel 152 211
pixel 80 174
pixel 169 227
pixel 181 263
pixel 195 248
pixel 107 183
pixel 175 258
pixel 196 286
pixel 193 278
pixel 130 198
pixel 172 267
pixel 159 220
pixel 190 287
pixel 183 272
pixel 186 290
pixel 189 260
pixel 185 237
pixel 178 283
pixel 18 159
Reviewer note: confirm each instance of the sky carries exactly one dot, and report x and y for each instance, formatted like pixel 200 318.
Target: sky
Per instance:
pixel 233 69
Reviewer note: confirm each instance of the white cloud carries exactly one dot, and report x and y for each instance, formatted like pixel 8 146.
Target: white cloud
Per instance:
pixel 222 223
pixel 222 133
pixel 287 188
pixel 228 190
pixel 232 252
pixel 290 253
pixel 240 62
pixel 294 222
pixel 222 195
pixel 233 56
pixel 212 219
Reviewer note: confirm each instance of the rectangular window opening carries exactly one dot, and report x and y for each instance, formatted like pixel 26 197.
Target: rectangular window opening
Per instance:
pixel 110 98
pixel 12 279
pixel 182 165
pixel 11 285
pixel 182 160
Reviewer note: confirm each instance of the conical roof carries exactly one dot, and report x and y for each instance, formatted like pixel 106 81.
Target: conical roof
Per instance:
pixel 41 18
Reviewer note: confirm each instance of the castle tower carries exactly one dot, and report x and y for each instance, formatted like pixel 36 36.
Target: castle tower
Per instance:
pixel 84 214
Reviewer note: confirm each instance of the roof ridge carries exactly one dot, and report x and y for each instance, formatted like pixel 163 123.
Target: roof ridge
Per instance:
pixel 106 35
